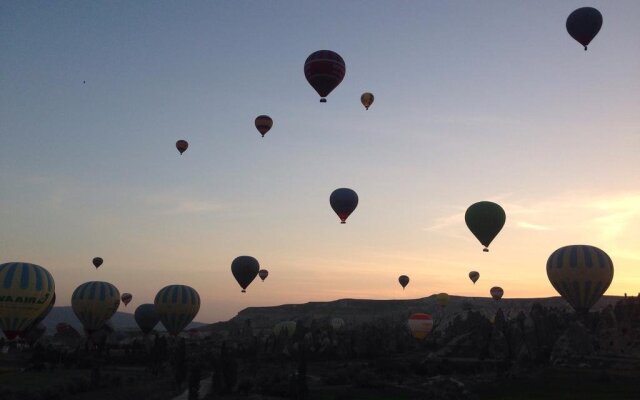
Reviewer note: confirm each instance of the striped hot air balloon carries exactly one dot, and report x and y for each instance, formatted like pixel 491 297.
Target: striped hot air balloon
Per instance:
pixel 420 325
pixel 26 290
pixel 324 71
pixel 581 274
pixel 94 303
pixel 177 306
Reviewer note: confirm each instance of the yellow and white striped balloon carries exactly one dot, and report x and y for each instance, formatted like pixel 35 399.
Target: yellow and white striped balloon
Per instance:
pixel 25 292
pixel 94 303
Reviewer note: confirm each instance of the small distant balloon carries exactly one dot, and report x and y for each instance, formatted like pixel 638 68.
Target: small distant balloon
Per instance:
pixel 182 146
pixel 485 220
pixel 343 201
pixel 367 100
pixel 263 273
pixel 263 124
pixel 404 281
pixel 324 71
pixel 496 292
pixel 126 298
pixel 245 269
pixel 442 299
pixel 474 276
pixel 97 262
pixel 584 24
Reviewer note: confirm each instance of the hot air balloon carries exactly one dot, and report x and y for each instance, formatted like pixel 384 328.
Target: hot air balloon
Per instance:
pixel 404 281
pixel 25 293
pixel 177 306
pixel 420 325
pixel 337 323
pixel 97 262
pixel 263 124
pixel 182 146
pixel 496 292
pixel 146 317
pixel 126 298
pixel 343 201
pixel 245 269
pixel 324 71
pixel 442 299
pixel 366 99
pixel 584 24
pixel 581 274
pixel 485 220
pixel 41 317
pixel 94 303
pixel 474 276
pixel 289 327
pixel 263 273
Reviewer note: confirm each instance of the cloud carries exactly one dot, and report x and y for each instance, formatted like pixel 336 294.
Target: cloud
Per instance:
pixel 527 225
pixel 194 207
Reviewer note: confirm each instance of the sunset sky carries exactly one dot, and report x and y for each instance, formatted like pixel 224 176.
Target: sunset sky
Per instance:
pixel 474 101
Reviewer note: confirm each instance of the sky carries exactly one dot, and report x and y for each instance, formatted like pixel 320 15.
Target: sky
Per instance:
pixel 474 101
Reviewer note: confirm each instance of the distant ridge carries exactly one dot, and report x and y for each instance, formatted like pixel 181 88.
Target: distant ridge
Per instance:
pixel 357 311
pixel 121 321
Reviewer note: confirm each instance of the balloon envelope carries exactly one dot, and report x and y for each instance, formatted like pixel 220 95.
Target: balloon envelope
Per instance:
pixel 581 274
pixel 126 298
pixel 337 323
pixel 496 292
pixel 263 124
pixel 245 269
pixel 485 220
pixel 404 280
pixel 146 317
pixel 420 325
pixel 343 201
pixel 182 146
pixel 41 317
pixel 177 306
pixel 324 71
pixel 97 261
pixel 474 276
pixel 584 24
pixel 289 327
pixel 263 273
pixel 366 99
pixel 26 291
pixel 94 303
pixel 442 299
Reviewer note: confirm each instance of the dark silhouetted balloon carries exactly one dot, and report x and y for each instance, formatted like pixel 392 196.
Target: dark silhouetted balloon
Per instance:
pixel 474 276
pixel 263 273
pixel 26 290
pixel 485 220
pixel 182 146
pixel 263 124
pixel 496 292
pixel 581 274
pixel 367 100
pixel 404 281
pixel 97 262
pixel 245 269
pixel 177 306
pixel 324 71
pixel 584 24
pixel 343 201
pixel 126 298
pixel 146 317
pixel 442 299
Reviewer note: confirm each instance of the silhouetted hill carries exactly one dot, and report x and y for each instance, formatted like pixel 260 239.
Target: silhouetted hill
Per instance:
pixel 121 321
pixel 356 311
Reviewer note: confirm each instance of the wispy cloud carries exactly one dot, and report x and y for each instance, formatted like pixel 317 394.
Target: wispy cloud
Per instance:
pixel 194 207
pixel 535 227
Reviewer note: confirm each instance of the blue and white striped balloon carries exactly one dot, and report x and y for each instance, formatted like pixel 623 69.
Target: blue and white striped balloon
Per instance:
pixel 177 306
pixel 94 303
